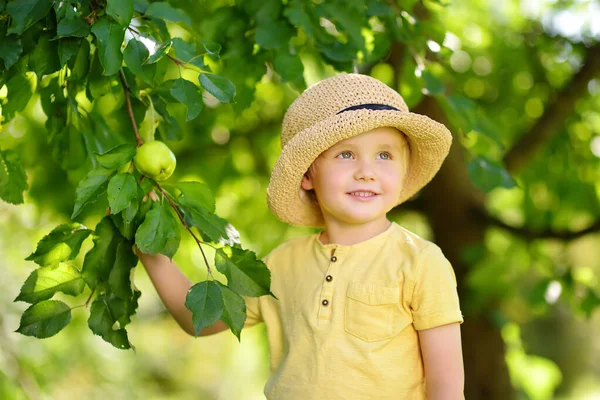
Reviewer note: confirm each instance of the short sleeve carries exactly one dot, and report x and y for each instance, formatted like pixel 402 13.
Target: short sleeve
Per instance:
pixel 435 297
pixel 253 306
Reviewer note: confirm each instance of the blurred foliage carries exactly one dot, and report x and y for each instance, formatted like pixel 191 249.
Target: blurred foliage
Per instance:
pixel 495 69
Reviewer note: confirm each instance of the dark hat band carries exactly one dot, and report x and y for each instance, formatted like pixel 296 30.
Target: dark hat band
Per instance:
pixel 369 107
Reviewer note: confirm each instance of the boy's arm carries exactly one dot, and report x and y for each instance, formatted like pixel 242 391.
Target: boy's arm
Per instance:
pixel 442 358
pixel 172 287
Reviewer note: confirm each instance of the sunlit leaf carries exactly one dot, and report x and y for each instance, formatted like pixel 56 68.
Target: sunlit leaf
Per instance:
pixel 44 282
pixel 63 243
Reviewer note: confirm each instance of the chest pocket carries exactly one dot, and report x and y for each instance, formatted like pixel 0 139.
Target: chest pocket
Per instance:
pixel 370 310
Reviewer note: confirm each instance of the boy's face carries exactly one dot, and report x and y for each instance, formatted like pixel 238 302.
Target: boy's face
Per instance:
pixel 359 179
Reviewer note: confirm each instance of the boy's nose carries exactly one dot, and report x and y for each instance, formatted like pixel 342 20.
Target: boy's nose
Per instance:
pixel 364 172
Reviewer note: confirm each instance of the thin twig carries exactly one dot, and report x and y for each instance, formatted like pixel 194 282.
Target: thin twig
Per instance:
pixel 129 108
pixel 90 298
pixel 198 241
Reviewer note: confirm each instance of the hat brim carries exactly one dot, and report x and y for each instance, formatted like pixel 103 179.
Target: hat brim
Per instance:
pixel 429 143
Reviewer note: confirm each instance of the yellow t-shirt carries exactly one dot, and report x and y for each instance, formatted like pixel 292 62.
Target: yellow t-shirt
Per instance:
pixel 345 325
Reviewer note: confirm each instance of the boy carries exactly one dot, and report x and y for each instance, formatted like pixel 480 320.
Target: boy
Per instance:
pixel 366 309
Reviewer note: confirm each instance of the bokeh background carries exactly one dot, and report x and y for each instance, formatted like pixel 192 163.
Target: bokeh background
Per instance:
pixel 515 207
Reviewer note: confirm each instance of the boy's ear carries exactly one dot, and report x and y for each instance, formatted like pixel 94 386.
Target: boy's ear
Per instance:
pixel 306 182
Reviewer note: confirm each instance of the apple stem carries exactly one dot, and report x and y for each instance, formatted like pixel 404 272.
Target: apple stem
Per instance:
pixel 189 229
pixel 127 91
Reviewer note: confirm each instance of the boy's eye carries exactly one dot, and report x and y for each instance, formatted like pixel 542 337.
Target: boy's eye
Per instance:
pixel 385 156
pixel 345 154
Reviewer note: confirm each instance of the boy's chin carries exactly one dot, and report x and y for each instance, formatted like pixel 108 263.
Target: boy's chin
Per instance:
pixel 359 219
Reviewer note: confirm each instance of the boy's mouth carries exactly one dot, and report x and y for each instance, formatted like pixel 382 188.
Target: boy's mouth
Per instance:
pixel 363 194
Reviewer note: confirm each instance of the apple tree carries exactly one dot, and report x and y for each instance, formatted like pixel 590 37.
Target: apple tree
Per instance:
pixel 211 81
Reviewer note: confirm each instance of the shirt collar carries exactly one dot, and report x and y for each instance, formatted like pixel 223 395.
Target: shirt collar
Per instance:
pixel 341 249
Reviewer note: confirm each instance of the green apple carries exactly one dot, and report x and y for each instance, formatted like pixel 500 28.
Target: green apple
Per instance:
pixel 155 160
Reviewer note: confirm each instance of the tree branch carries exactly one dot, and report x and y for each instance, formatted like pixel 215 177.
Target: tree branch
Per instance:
pixel 189 229
pixel 555 114
pixel 531 234
pixel 127 91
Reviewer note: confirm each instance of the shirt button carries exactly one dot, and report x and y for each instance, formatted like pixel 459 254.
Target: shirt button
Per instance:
pixel 333 258
pixel 325 302
pixel 329 278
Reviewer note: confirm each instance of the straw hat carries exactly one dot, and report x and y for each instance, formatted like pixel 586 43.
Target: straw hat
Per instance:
pixel 338 108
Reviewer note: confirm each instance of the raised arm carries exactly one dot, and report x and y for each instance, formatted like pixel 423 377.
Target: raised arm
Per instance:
pixel 172 287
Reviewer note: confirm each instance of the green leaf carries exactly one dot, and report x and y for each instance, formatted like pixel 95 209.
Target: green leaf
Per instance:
pixel 234 309
pixel 159 53
pixel 590 303
pixel 116 156
pixel 10 49
pixel 169 128
pixel 302 15
pixel 81 67
pixel 44 57
pixel 183 50
pixel 135 56
pixel 122 191
pixel 67 48
pixel 432 84
pixel 163 10
pixel 488 175
pixel 90 187
pixel 99 261
pixel 20 90
pixel 101 323
pixel 73 26
pixel 288 66
pixel 44 282
pixel 187 93
pixel 212 48
pixel 119 278
pixel 25 13
pixel 222 88
pixel 66 141
pixel 45 319
pixel 63 243
pixel 273 34
pixel 346 19
pixel 245 274
pixel 121 11
pixel 122 309
pixel 109 35
pixel 195 194
pixel 159 233
pixel 149 124
pixel 209 224
pixel 13 180
pixel 206 304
